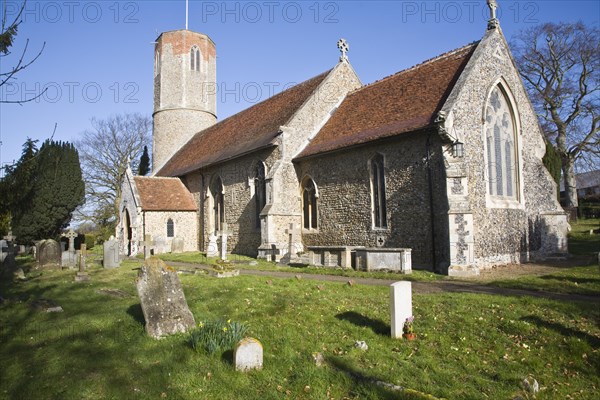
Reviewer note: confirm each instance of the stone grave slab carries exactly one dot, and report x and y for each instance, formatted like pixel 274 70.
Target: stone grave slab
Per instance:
pixel 162 299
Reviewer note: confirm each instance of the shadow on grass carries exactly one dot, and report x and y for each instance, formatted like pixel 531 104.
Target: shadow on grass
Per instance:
pixel 563 330
pixel 378 326
pixel 135 311
pixel 369 384
pixel 227 357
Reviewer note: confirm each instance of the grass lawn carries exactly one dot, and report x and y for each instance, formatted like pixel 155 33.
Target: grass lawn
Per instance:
pixel 469 346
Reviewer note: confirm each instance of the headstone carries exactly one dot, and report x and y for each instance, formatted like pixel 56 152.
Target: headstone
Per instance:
pixel 400 306
pixel 294 245
pixel 162 299
pixel 160 244
pixel 69 258
pixel 212 250
pixel 71 235
pixel 22 249
pixel 37 247
pixel 177 245
pixel 81 274
pixel 49 254
pixel 148 246
pixel 224 235
pixel 111 254
pixel 248 354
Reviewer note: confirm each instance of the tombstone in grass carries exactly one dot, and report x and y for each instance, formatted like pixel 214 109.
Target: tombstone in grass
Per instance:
pixel 8 253
pixel 111 254
pixel 224 235
pixel 69 258
pixel 177 245
pixel 37 247
pixel 148 245
pixel 160 245
pixel 248 354
pixel 400 306
pixel 82 276
pixel 294 246
pixel 212 249
pixel 162 299
pixel 49 254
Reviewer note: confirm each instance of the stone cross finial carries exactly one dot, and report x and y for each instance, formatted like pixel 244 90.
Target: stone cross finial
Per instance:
pixel 344 47
pixel 493 21
pixel 71 235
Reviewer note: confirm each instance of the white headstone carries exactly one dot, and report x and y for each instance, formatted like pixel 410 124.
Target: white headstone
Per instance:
pixel 111 254
pixel 213 249
pixel 177 245
pixel 248 354
pixel 400 306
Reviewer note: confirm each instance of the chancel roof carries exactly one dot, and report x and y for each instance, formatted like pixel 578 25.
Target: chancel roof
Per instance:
pixel 404 102
pixel 164 194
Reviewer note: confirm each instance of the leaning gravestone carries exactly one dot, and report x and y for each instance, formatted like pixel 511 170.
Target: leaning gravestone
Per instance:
pixel 162 299
pixel 111 254
pixel 49 254
pixel 177 245
pixel 248 354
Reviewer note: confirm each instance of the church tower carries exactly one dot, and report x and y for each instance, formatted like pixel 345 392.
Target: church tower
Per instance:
pixel 184 91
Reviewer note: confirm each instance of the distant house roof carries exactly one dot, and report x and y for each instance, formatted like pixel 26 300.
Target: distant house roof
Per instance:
pixel 404 102
pixel 164 194
pixel 249 130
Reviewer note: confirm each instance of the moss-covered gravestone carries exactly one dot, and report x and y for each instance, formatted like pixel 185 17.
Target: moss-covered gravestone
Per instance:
pixel 163 303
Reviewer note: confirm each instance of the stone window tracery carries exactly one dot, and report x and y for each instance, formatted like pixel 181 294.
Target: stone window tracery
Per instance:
pixel 378 199
pixel 170 228
pixel 195 58
pixel 309 204
pixel 260 192
pixel 218 205
pixel 500 141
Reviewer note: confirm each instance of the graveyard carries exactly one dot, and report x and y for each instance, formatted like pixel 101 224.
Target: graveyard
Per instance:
pixel 70 338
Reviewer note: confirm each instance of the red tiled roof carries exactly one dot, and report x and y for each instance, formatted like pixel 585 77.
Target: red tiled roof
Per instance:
pixel 251 129
pixel 164 194
pixel 404 102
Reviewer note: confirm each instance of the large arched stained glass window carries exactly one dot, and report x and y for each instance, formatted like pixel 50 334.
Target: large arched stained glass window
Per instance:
pixel 500 144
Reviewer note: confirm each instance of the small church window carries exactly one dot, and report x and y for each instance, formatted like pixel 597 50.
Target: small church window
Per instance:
pixel 195 58
pixel 218 208
pixel 260 193
pixel 170 228
pixel 500 143
pixel 309 204
pixel 378 192
pixel 156 63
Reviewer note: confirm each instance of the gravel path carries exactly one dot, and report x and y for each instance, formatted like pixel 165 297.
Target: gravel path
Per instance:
pixel 472 286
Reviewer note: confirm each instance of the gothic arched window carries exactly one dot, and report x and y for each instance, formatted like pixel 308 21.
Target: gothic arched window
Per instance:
pixel 218 206
pixel 378 192
pixel 309 204
pixel 500 142
pixel 260 190
pixel 195 58
pixel 170 228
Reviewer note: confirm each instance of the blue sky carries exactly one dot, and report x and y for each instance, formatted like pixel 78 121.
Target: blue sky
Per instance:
pixel 98 56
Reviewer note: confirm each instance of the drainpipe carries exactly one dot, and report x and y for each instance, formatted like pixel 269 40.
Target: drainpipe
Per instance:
pixel 430 184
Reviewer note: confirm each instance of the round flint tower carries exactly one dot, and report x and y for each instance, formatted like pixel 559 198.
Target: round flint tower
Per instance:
pixel 184 91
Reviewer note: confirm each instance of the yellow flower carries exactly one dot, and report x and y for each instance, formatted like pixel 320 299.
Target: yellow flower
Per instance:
pixel 224 329
pixel 228 321
pixel 201 324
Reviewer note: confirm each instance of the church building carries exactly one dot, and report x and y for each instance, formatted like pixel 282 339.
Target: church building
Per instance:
pixel 444 158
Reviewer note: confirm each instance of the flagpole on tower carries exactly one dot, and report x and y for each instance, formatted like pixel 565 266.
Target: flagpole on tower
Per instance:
pixel 186 15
